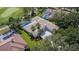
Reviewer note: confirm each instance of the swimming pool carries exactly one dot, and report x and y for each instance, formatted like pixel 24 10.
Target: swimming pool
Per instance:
pixel 25 23
pixel 46 15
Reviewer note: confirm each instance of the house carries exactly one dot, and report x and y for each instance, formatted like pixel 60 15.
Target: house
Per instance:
pixel 40 27
pixel 10 40
pixel 44 22
pixel 14 43
pixel 47 14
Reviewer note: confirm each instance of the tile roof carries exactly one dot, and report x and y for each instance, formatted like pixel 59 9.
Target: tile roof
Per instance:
pixel 18 43
pixel 42 22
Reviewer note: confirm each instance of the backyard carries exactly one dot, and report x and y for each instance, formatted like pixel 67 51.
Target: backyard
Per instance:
pixel 29 41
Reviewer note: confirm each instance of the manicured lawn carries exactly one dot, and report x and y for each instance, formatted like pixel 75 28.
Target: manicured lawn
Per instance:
pixel 28 41
pixel 5 13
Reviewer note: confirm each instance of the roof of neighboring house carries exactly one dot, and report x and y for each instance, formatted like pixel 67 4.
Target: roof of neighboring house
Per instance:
pixel 14 43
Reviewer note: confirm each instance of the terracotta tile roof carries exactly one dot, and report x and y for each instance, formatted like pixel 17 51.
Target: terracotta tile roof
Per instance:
pixel 45 22
pixel 42 22
pixel 14 43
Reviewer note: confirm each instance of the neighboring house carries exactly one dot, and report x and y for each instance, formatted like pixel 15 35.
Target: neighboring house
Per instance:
pixel 46 27
pixel 10 40
pixel 48 14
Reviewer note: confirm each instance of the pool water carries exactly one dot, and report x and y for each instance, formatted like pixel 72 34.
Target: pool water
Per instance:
pixel 25 23
pixel 46 15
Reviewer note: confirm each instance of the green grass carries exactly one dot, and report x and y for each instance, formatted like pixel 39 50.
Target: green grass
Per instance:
pixel 28 40
pixel 18 13
pixel 5 13
pixel 2 10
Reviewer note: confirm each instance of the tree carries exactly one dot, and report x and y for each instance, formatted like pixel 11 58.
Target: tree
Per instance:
pixel 72 19
pixel 11 20
pixel 44 46
pixel 70 38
